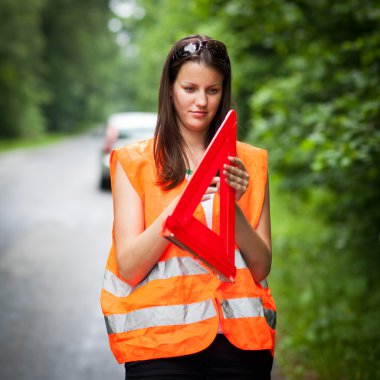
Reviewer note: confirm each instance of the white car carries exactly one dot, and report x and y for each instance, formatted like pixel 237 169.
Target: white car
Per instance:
pixel 122 129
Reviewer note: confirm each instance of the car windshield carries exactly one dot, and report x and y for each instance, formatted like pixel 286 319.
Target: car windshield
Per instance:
pixel 135 132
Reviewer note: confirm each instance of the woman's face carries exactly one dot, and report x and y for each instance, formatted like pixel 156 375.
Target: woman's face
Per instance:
pixel 196 92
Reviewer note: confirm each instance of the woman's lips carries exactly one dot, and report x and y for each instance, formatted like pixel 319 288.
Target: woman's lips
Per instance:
pixel 199 114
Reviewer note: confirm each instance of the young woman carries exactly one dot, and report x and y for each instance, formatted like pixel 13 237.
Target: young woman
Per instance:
pixel 167 316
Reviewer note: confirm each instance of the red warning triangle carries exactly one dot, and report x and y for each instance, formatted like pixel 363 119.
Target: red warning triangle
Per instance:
pixel 217 252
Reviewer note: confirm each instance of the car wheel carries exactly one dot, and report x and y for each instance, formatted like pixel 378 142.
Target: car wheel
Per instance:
pixel 105 184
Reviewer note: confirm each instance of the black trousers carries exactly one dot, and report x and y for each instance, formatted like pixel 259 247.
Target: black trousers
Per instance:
pixel 220 361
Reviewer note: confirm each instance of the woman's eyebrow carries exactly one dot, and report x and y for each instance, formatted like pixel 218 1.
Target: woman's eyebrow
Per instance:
pixel 195 84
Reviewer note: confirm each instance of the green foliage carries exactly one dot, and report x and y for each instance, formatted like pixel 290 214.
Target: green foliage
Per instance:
pixel 21 91
pixel 328 308
pixel 319 116
pixel 80 58
pixel 22 143
pixel 60 67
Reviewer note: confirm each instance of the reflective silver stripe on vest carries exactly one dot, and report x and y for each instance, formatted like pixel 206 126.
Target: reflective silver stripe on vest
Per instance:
pixel 240 264
pixel 160 316
pixel 176 266
pixel 239 261
pixel 247 308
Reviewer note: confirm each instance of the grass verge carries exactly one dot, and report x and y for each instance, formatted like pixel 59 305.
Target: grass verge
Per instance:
pixel 12 144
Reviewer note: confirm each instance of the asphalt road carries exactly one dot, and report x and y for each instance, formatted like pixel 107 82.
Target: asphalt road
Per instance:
pixel 55 232
pixel 55 229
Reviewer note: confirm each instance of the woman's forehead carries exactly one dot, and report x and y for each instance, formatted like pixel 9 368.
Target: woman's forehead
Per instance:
pixel 198 72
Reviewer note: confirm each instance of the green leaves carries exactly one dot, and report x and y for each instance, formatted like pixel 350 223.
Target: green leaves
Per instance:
pixel 20 68
pixel 319 117
pixel 81 58
pixel 59 66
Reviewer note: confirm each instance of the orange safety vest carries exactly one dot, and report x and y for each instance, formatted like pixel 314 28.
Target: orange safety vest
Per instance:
pixel 177 308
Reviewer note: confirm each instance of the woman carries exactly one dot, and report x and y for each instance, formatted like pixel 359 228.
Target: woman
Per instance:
pixel 167 316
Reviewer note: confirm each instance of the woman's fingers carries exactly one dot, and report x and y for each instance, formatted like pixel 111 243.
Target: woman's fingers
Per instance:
pixel 212 189
pixel 236 176
pixel 242 179
pixel 239 170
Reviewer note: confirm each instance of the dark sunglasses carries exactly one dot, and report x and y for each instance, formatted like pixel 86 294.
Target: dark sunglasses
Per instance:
pixel 192 46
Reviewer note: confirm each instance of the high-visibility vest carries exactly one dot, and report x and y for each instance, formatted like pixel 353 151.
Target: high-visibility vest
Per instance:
pixel 176 310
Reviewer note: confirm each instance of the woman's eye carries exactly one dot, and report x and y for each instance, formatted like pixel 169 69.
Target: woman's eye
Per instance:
pixel 213 91
pixel 189 89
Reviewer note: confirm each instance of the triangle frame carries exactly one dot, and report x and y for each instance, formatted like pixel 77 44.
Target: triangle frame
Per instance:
pixel 217 252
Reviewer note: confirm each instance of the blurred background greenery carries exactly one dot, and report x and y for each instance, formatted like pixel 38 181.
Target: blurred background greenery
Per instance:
pixel 306 81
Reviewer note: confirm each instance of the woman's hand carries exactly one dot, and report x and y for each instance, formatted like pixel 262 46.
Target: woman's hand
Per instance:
pixel 212 189
pixel 236 176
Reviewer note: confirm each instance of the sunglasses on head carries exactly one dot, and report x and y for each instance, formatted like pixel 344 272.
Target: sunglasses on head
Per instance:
pixel 192 46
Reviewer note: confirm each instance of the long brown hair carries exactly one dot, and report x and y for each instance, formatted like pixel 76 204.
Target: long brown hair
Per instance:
pixel 169 154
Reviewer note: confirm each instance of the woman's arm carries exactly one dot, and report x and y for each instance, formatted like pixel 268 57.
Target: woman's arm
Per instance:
pixel 255 245
pixel 137 250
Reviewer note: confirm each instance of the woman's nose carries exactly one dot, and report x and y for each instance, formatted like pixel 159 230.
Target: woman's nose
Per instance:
pixel 201 100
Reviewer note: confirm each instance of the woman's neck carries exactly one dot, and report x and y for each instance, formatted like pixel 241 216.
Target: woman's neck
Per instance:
pixel 194 153
pixel 194 147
